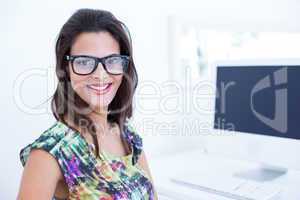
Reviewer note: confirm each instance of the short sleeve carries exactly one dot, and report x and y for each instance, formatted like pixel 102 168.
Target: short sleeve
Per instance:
pixel 47 141
pixel 136 142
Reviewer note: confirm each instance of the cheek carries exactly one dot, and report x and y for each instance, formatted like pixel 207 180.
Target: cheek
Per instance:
pixel 117 81
pixel 78 83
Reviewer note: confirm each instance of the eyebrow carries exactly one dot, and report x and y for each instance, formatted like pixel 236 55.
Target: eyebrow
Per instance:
pixel 86 55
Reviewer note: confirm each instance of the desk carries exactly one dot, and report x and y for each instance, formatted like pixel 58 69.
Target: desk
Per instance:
pixel 197 163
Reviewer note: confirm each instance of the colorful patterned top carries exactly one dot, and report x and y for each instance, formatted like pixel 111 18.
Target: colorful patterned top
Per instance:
pixel 88 177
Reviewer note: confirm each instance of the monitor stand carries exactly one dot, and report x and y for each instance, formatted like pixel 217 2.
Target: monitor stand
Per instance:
pixel 263 173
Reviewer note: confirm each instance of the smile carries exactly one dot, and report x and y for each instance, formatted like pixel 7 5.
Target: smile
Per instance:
pixel 100 88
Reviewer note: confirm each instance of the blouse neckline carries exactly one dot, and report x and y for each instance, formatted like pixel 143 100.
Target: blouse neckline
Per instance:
pixel 104 155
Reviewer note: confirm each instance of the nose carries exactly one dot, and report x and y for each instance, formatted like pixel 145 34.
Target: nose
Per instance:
pixel 100 72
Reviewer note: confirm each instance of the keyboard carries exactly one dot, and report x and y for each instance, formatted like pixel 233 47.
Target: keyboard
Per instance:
pixel 232 188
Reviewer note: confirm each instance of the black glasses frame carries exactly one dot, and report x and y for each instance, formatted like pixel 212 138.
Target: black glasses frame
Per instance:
pixel 98 60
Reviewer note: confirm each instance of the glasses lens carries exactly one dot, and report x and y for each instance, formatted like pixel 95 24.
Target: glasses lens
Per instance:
pixel 83 65
pixel 116 64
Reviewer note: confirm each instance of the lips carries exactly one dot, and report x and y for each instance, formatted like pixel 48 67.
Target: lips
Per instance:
pixel 100 88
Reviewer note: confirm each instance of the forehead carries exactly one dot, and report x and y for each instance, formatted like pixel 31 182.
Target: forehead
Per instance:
pixel 97 44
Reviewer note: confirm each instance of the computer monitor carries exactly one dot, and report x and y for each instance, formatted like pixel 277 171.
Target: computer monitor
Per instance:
pixel 257 104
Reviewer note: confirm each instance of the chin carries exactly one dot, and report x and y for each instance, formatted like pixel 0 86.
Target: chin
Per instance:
pixel 99 106
pixel 95 100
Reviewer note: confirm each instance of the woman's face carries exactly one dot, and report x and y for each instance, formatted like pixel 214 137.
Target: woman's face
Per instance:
pixel 99 88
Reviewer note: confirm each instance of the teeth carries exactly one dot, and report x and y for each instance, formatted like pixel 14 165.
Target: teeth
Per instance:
pixel 98 87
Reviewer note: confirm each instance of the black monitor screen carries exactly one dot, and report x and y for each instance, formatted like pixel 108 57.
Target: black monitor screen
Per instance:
pixel 259 99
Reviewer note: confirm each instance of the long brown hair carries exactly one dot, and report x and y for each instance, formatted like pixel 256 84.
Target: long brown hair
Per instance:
pixel 65 102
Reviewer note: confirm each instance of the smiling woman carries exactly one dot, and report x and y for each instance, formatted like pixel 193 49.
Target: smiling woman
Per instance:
pixel 92 105
pixel 94 75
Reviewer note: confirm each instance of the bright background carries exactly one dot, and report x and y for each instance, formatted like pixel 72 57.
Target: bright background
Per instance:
pixel 28 32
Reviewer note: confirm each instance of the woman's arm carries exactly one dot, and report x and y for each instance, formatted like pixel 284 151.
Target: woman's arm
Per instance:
pixel 40 176
pixel 144 165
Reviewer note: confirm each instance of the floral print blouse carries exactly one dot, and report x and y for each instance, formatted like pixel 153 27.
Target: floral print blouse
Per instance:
pixel 88 177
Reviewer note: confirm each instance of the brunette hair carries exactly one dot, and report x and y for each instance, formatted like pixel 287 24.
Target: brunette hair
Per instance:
pixel 65 102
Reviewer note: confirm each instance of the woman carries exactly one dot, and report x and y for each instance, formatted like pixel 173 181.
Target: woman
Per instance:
pixel 91 152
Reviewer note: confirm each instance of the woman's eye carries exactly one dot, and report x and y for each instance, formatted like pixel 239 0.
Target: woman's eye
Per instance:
pixel 83 62
pixel 113 61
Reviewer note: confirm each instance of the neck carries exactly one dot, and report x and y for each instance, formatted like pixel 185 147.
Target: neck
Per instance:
pixel 100 120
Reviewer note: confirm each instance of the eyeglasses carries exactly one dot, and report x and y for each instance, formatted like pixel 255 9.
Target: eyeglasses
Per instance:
pixel 114 64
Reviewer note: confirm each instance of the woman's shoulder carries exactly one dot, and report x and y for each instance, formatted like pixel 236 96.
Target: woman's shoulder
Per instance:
pixel 135 139
pixel 53 140
pixel 133 135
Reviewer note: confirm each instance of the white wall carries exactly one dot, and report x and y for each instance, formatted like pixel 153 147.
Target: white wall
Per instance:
pixel 29 28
